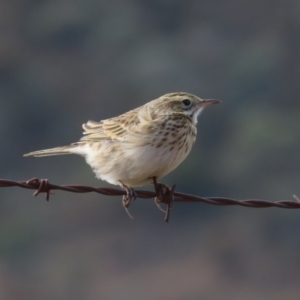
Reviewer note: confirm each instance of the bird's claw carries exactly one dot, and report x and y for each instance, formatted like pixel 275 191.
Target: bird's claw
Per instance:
pixel 128 197
pixel 164 194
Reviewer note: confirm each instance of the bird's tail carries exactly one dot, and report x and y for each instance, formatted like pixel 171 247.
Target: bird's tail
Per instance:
pixel 53 151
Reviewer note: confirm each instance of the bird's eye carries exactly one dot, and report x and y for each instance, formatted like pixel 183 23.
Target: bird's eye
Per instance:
pixel 186 102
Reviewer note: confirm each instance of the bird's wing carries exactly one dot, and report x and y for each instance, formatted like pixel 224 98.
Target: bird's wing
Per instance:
pixel 124 127
pixel 93 131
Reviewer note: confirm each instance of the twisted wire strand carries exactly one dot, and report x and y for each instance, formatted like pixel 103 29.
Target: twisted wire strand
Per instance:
pixel 44 186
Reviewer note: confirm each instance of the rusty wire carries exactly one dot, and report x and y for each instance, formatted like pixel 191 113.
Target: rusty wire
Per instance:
pixel 44 186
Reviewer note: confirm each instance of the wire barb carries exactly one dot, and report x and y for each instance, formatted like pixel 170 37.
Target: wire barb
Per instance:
pixel 162 194
pixel 43 187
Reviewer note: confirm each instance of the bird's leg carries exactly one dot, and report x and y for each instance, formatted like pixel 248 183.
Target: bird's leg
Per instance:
pixel 164 194
pixel 158 188
pixel 128 198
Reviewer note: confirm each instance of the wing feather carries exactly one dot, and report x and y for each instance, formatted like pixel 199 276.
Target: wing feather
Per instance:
pixel 122 128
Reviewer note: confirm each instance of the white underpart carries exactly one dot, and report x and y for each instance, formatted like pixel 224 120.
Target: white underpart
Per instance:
pixel 196 114
pixel 137 166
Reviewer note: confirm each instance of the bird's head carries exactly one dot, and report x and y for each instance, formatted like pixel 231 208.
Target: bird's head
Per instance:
pixel 183 103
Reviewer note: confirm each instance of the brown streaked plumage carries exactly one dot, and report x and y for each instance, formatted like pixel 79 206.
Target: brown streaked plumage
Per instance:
pixel 146 142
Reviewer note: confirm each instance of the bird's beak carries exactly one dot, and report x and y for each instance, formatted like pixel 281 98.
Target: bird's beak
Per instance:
pixel 208 102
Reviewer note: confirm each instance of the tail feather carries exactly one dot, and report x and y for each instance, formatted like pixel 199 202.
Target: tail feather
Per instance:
pixel 53 151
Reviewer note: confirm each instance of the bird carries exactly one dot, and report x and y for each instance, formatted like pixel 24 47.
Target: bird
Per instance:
pixel 141 145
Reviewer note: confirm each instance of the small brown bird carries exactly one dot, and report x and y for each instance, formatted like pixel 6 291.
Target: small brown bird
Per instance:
pixel 144 143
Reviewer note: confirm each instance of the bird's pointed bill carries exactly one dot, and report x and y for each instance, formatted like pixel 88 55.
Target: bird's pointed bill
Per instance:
pixel 208 102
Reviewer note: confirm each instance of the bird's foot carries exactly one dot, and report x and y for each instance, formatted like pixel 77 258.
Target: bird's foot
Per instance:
pixel 128 197
pixel 164 194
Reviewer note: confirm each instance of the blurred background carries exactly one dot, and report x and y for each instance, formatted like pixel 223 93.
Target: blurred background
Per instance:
pixel 65 62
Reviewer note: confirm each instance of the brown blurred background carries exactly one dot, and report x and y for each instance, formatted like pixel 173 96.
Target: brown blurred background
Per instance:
pixel 65 62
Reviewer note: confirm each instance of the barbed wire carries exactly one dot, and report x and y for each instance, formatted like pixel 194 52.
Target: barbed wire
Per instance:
pixel 165 195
